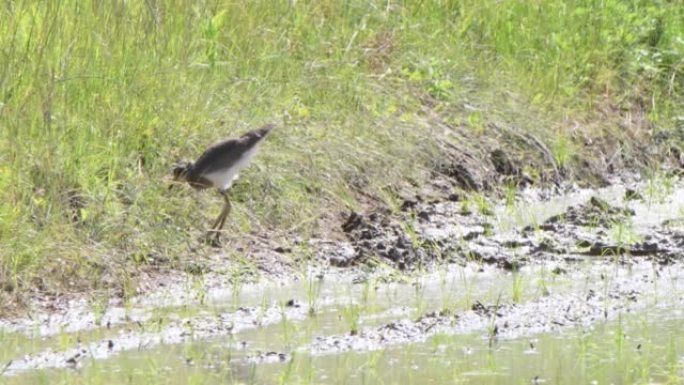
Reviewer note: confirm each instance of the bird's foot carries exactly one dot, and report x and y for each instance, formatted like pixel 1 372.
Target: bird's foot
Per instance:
pixel 213 238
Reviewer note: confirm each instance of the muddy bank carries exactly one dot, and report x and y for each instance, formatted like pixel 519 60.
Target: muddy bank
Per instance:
pixel 452 231
pixel 593 255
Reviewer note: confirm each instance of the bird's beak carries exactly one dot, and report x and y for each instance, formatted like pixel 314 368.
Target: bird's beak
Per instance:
pixel 173 183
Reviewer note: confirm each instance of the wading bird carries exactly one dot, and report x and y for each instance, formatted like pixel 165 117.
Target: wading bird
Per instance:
pixel 218 167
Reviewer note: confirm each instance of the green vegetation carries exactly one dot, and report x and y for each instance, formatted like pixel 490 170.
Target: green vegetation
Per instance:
pixel 97 100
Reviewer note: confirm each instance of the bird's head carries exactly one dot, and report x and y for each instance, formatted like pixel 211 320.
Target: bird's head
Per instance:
pixel 180 172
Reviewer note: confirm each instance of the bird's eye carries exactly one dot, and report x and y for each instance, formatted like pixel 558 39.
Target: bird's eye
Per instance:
pixel 177 171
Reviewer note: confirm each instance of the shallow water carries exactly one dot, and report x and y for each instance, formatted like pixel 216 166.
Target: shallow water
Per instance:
pixel 640 348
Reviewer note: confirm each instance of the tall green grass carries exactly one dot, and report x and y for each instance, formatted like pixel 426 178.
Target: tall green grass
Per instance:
pixel 582 53
pixel 97 99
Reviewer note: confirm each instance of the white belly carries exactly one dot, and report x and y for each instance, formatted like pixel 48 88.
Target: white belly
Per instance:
pixel 223 179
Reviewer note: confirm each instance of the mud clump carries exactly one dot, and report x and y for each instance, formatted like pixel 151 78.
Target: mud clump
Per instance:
pixel 353 222
pixel 379 235
pixel 425 233
pixel 461 175
pixel 633 195
pixel 268 357
pixel 585 231
pixel 504 166
pixel 489 253
pixel 663 246
pixel 596 212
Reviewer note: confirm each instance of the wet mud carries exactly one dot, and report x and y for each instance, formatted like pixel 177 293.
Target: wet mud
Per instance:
pixel 604 300
pixel 443 231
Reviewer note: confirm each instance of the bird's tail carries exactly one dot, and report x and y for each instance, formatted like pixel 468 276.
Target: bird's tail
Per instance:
pixel 265 130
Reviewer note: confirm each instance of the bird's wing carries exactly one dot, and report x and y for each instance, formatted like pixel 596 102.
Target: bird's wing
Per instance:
pixel 223 154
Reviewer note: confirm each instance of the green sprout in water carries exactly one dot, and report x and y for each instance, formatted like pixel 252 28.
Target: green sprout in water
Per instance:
pixel 518 287
pixel 352 315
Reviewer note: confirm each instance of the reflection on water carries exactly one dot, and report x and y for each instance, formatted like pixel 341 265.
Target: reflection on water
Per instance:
pixel 641 348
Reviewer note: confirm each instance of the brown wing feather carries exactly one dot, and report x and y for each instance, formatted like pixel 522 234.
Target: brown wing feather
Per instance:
pixel 221 155
pixel 227 152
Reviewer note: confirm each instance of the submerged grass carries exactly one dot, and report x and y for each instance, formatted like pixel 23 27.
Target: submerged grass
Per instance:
pixel 98 99
pixel 634 349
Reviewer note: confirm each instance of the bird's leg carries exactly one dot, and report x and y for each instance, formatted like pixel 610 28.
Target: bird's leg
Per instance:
pixel 218 220
pixel 224 214
pixel 221 220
